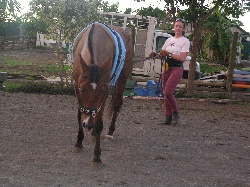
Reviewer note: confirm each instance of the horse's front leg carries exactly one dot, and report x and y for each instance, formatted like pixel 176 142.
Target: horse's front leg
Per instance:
pixel 80 135
pixel 97 151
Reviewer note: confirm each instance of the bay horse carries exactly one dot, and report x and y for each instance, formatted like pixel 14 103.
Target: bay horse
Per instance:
pixel 102 58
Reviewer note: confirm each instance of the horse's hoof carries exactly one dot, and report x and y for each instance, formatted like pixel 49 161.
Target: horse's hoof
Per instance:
pixel 93 138
pixel 96 163
pixel 109 137
pixel 77 149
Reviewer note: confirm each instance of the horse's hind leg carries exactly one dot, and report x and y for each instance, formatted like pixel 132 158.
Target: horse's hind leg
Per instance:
pixel 114 117
pixel 80 135
pixel 117 104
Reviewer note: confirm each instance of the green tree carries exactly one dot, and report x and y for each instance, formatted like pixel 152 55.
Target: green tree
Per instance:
pixel 110 8
pixel 197 12
pixel 64 20
pixel 161 16
pixel 32 24
pixel 218 36
pixel 9 9
pixel 128 11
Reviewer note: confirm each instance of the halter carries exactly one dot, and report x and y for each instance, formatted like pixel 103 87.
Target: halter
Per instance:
pixel 93 111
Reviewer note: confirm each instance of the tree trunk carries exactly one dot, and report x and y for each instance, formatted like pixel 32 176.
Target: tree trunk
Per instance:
pixel 192 65
pixel 231 63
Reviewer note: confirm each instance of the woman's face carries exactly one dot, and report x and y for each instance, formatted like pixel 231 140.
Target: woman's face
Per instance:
pixel 178 28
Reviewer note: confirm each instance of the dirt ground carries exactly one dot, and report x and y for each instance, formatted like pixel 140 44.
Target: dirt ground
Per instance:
pixel 210 146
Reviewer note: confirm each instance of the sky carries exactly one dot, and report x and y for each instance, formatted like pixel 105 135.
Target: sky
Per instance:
pixel 123 4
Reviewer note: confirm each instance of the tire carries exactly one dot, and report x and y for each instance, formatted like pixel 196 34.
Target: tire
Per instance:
pixel 197 75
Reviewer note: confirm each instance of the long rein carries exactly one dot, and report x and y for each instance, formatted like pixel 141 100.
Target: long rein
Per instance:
pixel 163 62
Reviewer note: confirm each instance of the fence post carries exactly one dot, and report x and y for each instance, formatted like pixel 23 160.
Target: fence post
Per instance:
pixel 133 35
pixel 231 64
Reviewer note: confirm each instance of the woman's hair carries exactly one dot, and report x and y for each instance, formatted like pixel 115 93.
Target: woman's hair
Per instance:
pixel 183 21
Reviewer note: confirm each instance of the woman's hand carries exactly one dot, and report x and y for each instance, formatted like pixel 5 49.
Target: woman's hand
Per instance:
pixel 155 55
pixel 164 53
pixel 152 55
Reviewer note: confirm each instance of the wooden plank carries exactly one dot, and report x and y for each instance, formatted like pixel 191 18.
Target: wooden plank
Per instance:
pixel 212 89
pixel 142 78
pixel 16 42
pixel 205 83
pixel 204 89
pixel 241 85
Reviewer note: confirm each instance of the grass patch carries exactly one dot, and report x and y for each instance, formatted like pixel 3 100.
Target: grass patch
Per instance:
pixel 53 68
pixel 45 48
pixel 246 69
pixel 10 61
pixel 40 88
pixel 244 103
pixel 15 66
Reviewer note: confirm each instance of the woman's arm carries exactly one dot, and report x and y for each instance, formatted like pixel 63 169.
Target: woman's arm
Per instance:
pixel 180 57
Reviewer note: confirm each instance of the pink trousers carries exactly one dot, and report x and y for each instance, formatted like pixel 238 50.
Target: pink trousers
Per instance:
pixel 170 79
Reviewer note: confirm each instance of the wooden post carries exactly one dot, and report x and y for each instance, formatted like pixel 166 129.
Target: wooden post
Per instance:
pixel 231 64
pixel 13 42
pixel 1 42
pixel 22 42
pixel 3 76
pixel 133 35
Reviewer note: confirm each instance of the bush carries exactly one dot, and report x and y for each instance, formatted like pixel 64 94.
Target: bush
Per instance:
pixel 209 69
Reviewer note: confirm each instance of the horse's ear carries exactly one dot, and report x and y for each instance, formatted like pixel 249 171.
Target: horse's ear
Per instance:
pixel 83 62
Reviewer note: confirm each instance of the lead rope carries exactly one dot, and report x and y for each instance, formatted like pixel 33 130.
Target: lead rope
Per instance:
pixel 163 62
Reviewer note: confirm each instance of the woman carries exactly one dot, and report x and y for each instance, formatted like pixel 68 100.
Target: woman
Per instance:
pixel 176 50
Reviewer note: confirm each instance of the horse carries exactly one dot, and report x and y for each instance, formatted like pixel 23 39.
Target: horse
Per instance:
pixel 95 50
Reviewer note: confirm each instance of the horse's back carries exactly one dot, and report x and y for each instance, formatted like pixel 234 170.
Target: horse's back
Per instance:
pixel 96 45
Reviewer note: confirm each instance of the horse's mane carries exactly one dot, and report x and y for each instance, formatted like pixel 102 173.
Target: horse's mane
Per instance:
pixel 94 73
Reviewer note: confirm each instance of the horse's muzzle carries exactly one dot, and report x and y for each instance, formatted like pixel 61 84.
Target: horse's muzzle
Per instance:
pixel 87 125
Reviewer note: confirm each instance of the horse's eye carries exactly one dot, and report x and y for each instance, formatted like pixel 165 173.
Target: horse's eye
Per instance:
pixel 84 76
pixel 104 87
pixel 81 89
